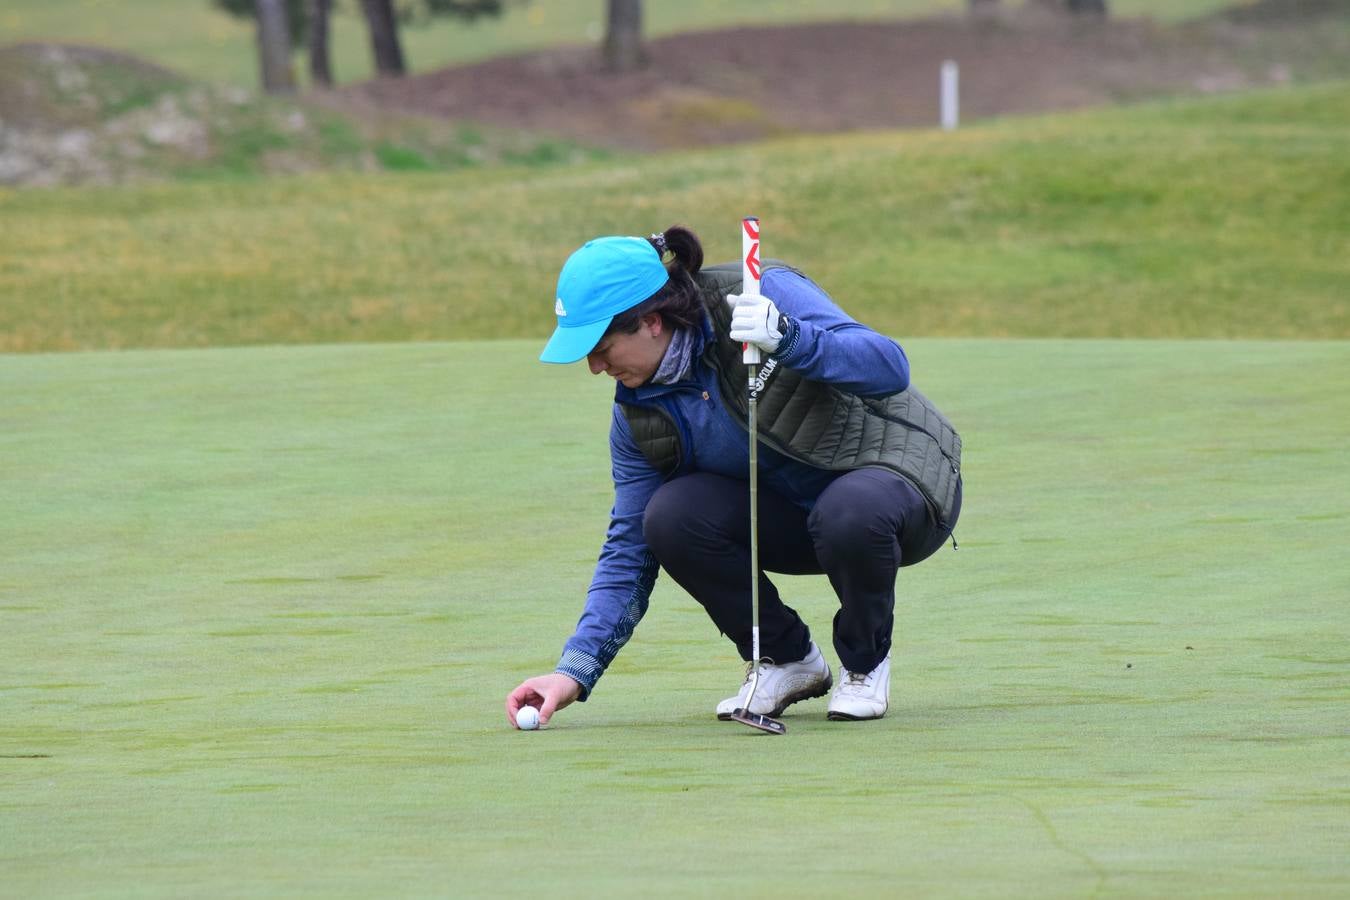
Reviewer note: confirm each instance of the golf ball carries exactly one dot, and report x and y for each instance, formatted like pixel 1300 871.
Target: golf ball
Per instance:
pixel 527 718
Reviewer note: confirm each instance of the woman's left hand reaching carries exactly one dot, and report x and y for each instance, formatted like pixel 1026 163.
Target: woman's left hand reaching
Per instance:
pixel 547 693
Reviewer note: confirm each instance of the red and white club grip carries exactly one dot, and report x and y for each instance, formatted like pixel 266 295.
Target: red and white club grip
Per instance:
pixel 750 275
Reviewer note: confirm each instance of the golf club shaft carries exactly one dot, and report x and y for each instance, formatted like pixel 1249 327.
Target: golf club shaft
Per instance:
pixel 754 522
pixel 750 355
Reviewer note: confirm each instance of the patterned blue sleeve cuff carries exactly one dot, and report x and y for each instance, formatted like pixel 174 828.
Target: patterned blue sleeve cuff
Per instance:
pixel 582 668
pixel 789 341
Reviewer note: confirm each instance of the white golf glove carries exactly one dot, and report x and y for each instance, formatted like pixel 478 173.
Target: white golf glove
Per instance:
pixel 755 320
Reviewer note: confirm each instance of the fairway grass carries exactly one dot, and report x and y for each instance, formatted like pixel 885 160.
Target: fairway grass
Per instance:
pixel 260 608
pixel 1218 218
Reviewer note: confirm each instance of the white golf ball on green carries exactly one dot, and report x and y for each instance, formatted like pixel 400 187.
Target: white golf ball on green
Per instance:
pixel 527 718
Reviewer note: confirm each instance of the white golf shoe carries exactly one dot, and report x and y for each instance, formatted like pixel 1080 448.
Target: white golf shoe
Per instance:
pixel 781 686
pixel 861 695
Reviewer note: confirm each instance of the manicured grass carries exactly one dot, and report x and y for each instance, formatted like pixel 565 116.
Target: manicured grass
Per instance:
pixel 259 609
pixel 1225 217
pixel 192 36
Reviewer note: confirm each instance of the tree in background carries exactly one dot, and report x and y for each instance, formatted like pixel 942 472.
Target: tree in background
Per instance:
pixel 460 9
pixel 282 26
pixel 623 50
pixel 982 7
pixel 274 47
pixel 248 9
pixel 384 41
pixel 383 18
pixel 320 59
pixel 1076 7
pixel 307 22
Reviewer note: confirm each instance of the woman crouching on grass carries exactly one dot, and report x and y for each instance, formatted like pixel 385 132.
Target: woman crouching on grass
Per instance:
pixel 859 474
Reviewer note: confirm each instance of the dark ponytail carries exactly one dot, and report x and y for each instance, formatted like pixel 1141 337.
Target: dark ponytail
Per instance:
pixel 678 301
pixel 683 246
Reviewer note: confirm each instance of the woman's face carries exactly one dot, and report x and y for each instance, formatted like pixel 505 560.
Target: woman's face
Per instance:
pixel 631 359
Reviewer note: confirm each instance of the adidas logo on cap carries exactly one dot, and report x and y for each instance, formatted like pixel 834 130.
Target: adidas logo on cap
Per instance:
pixel 558 308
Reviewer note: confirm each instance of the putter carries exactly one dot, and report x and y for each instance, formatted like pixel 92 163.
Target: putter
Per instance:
pixel 750 273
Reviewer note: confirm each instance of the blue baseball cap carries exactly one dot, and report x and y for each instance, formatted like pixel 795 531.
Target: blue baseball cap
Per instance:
pixel 605 277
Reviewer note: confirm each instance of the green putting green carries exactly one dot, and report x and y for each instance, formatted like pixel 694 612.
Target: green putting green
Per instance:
pixel 260 608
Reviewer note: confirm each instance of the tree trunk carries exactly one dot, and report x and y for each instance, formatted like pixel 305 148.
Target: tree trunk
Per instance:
pixel 1088 7
pixel 623 50
pixel 274 47
pixel 384 37
pixel 320 61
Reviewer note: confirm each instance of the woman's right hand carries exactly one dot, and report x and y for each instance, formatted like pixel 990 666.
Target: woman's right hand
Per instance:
pixel 547 693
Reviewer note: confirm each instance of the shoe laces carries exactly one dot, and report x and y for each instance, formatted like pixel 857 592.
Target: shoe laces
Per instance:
pixel 855 681
pixel 765 663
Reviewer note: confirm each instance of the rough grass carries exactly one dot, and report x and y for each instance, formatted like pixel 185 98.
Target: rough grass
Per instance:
pixel 259 610
pixel 77 115
pixel 1225 217
pixel 196 39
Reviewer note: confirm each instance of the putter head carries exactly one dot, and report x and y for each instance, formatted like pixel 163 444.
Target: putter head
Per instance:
pixel 755 720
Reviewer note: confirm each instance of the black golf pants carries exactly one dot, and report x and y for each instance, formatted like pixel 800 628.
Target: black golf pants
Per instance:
pixel 865 526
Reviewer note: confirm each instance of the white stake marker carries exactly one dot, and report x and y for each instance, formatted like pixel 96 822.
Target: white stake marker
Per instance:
pixel 951 95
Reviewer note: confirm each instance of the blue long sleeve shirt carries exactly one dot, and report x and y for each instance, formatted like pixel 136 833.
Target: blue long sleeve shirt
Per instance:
pixel 822 344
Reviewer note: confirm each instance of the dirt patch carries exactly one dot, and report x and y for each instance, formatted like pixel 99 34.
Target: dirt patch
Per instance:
pixel 751 83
